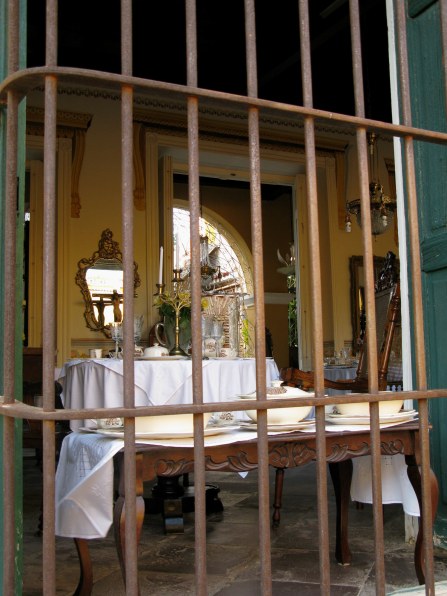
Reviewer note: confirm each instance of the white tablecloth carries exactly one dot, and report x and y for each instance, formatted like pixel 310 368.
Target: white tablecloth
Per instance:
pixel 92 383
pixel 336 373
pixel 84 479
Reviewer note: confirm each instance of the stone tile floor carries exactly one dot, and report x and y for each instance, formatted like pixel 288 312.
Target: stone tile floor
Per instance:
pixel 166 562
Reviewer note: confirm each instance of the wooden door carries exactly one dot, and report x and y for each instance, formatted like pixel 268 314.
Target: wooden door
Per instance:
pixel 429 111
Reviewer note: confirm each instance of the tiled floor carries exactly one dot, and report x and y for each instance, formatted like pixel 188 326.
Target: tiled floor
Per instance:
pixel 166 563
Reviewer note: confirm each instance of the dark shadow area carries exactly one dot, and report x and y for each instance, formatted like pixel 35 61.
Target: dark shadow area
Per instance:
pixel 90 37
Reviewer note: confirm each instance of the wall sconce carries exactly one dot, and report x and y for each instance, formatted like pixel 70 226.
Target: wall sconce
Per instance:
pixel 382 206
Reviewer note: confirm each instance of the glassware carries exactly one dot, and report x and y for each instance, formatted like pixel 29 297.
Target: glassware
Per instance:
pixel 116 333
pixel 206 331
pixel 137 332
pixel 216 334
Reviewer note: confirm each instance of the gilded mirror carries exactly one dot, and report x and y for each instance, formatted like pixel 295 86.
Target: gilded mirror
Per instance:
pixel 101 281
pixel 358 297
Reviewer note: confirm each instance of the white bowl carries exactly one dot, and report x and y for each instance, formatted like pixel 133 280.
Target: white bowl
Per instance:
pixel 170 423
pixel 108 423
pixel 386 408
pixel 283 415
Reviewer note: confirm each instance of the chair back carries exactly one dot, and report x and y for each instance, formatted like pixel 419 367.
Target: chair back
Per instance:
pixel 387 303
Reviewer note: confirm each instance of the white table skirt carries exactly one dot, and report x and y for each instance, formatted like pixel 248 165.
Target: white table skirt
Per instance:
pixel 98 383
pixel 396 487
pixel 84 479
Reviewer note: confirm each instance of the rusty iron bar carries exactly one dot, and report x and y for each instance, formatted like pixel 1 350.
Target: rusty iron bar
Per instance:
pixel 200 557
pixel 316 300
pixel 371 333
pixel 259 306
pixel 48 331
pixel 49 301
pixel 20 410
pixel 8 338
pixel 127 98
pixel 27 79
pixel 416 280
pixel 128 341
pixel 197 378
pixel 13 58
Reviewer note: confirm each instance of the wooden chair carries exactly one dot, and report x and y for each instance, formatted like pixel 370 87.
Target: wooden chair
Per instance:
pixel 387 302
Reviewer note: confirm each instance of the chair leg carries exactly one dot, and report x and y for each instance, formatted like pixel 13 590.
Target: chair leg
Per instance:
pixel 277 502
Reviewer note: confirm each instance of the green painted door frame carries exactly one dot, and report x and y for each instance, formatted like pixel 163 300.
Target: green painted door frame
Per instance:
pixel 18 458
pixel 428 104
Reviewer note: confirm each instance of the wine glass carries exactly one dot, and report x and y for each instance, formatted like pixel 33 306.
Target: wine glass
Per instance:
pixel 206 331
pixel 137 332
pixel 116 333
pixel 216 334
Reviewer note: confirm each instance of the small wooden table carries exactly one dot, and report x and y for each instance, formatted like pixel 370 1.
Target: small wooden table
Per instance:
pixel 285 451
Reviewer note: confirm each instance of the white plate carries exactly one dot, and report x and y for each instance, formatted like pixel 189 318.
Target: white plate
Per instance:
pixel 224 358
pixel 404 416
pixel 279 427
pixel 162 358
pixel 291 392
pixel 119 434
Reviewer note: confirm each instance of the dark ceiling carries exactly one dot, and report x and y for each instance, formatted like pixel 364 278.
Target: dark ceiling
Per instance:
pixel 89 37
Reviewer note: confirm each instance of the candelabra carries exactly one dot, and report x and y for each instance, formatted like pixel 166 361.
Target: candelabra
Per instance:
pixel 177 300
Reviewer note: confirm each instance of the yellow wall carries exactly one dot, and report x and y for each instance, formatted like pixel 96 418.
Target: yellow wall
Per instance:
pixel 100 196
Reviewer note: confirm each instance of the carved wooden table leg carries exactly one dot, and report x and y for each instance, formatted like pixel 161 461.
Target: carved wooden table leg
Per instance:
pixel 277 502
pixel 414 476
pixel 119 516
pixel 341 474
pixel 85 585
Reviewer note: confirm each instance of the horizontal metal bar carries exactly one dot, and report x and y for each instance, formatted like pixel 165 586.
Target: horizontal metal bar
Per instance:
pixel 26 80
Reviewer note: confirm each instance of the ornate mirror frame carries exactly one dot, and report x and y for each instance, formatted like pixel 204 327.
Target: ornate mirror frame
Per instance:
pixel 357 296
pixel 108 254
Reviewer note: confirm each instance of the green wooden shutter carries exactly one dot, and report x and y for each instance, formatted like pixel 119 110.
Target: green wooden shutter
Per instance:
pixel 428 110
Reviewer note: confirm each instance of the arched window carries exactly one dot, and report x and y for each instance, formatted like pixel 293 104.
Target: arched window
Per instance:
pixel 226 274
pixel 224 255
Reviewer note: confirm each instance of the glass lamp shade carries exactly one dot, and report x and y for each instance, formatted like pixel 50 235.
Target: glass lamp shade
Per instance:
pixel 379 225
pixel 382 209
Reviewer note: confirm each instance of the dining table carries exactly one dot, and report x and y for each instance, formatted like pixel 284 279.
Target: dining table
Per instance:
pixel 98 382
pixel 91 466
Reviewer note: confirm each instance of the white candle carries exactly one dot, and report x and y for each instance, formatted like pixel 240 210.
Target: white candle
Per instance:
pixel 177 253
pixel 160 270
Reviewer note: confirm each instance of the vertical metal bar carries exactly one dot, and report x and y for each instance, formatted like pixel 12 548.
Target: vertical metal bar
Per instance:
pixel 13 35
pixel 10 299
pixel 258 279
pixel 316 302
pixel 49 301
pixel 48 329
pixel 197 379
pixel 8 340
pixel 416 280
pixel 128 283
pixel 370 298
